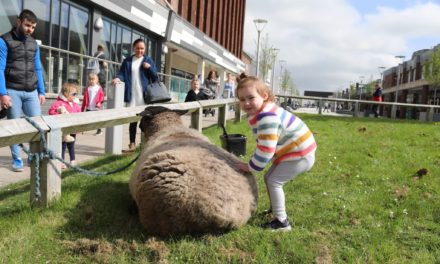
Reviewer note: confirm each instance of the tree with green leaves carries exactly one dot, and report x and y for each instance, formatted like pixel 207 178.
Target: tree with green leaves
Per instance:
pixel 267 57
pixel 287 85
pixel 431 71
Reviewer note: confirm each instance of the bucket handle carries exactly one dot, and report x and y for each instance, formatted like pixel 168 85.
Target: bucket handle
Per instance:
pixel 225 134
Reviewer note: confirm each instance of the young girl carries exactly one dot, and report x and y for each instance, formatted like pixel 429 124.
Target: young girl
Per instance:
pixel 281 137
pixel 66 101
pixel 93 96
pixel 193 94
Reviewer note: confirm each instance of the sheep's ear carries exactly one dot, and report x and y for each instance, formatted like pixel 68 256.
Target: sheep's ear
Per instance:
pixel 180 112
pixel 145 113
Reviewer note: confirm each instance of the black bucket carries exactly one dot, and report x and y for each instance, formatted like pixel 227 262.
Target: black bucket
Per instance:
pixel 234 143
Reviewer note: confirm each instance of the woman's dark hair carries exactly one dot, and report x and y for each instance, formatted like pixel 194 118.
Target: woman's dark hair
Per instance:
pixel 137 41
pixel 211 75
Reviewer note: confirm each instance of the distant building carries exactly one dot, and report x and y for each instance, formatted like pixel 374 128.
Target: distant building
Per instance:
pixel 412 88
pixel 318 94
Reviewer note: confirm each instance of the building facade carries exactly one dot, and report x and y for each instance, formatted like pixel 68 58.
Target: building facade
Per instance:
pixel 407 81
pixel 182 40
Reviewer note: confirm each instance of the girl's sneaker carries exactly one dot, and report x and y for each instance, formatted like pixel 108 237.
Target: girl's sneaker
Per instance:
pixel 277 225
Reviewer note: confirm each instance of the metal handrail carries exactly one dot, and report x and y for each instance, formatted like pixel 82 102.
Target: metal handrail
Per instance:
pixel 356 109
pixel 172 82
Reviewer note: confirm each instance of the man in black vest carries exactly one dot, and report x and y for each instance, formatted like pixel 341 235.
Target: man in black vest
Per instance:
pixel 21 77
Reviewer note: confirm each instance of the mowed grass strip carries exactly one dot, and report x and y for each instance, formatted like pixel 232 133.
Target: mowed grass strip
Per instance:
pixel 373 196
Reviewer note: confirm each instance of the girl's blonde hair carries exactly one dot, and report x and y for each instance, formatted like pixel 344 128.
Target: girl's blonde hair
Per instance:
pixel 92 74
pixel 69 88
pixel 259 85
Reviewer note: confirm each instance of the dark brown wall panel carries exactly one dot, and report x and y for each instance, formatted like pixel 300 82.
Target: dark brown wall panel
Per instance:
pixel 222 20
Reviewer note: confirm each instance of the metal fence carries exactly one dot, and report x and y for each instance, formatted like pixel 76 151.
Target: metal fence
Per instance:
pixel 359 108
pixel 61 66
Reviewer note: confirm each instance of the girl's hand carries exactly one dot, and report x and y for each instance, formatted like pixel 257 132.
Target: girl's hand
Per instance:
pixel 98 105
pixel 115 81
pixel 243 167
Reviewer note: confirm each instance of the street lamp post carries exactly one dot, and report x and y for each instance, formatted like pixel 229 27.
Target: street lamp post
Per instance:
pixel 259 24
pixel 274 54
pixel 400 58
pixel 361 87
pixel 381 68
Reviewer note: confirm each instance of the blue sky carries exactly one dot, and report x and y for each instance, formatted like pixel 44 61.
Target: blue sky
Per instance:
pixel 329 43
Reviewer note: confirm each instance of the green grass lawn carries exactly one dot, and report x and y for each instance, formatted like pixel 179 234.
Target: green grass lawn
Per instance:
pixel 363 202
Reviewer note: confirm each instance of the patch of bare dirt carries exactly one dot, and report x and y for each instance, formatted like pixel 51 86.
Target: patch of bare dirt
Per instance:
pixel 324 256
pixel 101 250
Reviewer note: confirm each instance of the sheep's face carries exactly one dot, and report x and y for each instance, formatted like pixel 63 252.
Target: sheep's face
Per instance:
pixel 148 116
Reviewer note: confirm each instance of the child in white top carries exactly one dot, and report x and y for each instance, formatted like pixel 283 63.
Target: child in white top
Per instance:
pixel 93 96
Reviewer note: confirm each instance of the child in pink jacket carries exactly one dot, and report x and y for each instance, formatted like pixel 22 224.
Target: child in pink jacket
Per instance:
pixel 66 103
pixel 93 96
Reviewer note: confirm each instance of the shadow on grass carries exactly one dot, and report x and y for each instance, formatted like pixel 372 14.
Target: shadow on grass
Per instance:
pixel 14 190
pixel 104 211
pixel 24 186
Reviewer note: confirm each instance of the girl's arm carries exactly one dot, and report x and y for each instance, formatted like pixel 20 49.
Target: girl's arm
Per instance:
pixel 100 98
pixel 85 99
pixel 267 140
pixel 54 107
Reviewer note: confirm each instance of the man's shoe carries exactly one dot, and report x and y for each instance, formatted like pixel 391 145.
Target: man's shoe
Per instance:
pixel 277 225
pixel 99 132
pixel 17 165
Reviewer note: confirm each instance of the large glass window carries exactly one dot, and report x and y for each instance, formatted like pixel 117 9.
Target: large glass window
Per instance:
pixel 8 14
pixel 55 23
pixel 40 8
pixel 137 35
pixel 78 25
pixel 126 43
pixel 64 24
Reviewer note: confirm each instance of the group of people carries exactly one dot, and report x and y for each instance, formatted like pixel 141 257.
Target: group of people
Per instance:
pixel 282 137
pixel 22 88
pixel 211 88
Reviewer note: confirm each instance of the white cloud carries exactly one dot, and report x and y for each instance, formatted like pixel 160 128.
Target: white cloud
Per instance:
pixel 326 44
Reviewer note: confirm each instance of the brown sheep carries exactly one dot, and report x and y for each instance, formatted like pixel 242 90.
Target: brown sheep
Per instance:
pixel 183 184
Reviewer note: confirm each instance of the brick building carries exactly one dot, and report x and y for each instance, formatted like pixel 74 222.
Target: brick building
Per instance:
pixel 408 82
pixel 184 37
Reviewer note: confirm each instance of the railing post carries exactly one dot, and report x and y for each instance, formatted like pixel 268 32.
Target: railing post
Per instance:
pixel 237 118
pixel 430 114
pixel 393 111
pixel 196 119
pixel 113 135
pixel 356 109
pixel 49 170
pixel 222 114
pixel 320 106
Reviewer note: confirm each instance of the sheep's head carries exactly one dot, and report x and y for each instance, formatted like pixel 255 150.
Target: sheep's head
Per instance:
pixel 155 118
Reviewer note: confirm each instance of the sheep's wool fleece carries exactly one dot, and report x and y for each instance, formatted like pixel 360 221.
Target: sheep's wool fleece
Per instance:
pixel 184 184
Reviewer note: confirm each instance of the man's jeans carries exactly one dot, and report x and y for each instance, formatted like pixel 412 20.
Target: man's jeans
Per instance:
pixel 22 102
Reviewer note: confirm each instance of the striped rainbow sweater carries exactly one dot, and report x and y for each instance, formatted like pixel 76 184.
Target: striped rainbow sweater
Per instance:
pixel 280 136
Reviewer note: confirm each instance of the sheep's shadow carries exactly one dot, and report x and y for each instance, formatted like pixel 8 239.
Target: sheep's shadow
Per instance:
pixel 104 211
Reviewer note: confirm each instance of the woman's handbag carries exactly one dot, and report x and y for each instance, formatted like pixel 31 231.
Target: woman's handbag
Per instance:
pixel 156 92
